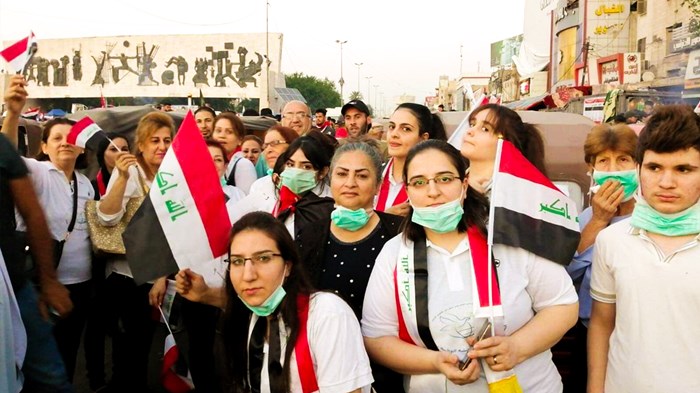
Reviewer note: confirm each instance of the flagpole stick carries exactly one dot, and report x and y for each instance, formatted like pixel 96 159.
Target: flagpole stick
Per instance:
pixel 167 324
pixel 496 166
pixel 138 168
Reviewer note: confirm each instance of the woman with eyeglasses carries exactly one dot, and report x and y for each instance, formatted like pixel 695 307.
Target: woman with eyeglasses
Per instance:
pixel 280 335
pixel 230 131
pixel 275 143
pixel 297 193
pixel 418 315
pixel 409 124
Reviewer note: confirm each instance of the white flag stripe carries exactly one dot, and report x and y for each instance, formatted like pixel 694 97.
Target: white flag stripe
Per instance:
pixel 543 204
pixel 181 222
pixel 86 134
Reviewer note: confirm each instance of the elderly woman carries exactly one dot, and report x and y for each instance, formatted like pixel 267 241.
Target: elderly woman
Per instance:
pixel 339 250
pixel 609 152
pixel 418 316
pixel 230 131
pixel 276 142
pixel 63 191
pixel 409 124
pixel 129 302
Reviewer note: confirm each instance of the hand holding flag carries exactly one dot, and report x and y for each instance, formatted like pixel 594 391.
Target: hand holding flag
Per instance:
pixel 183 222
pixel 87 134
pixel 20 53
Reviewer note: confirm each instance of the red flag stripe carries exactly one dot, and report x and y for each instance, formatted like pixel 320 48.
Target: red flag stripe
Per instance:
pixel 479 254
pixel 200 175
pixel 15 50
pixel 513 162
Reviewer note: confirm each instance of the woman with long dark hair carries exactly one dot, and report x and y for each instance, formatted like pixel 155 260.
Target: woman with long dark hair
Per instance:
pixel 106 160
pixel 487 124
pixel 279 334
pixel 422 308
pixel 409 124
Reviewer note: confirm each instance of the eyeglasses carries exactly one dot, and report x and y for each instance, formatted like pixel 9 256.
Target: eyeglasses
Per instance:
pixel 261 259
pixel 274 143
pixel 297 115
pixel 421 182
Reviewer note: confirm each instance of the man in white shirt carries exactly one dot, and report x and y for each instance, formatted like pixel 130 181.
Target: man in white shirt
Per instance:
pixel 644 323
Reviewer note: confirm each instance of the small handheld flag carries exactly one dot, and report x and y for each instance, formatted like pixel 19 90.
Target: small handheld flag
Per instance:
pixel 86 134
pixel 20 53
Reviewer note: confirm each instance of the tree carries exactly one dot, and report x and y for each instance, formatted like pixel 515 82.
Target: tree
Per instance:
pixel 355 95
pixel 318 93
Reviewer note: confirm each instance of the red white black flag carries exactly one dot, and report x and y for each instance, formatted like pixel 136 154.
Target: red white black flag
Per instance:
pixel 529 211
pixel 183 222
pixel 19 53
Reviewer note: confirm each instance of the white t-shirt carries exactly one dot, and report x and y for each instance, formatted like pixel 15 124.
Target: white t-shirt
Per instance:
pixel 528 284
pixel 13 340
pixel 118 264
pixel 55 195
pixel 654 346
pixel 245 174
pixel 340 361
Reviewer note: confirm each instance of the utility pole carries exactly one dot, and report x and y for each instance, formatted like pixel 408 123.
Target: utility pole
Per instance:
pixel 368 79
pixel 267 53
pixel 375 96
pixel 584 73
pixel 358 76
pixel 341 82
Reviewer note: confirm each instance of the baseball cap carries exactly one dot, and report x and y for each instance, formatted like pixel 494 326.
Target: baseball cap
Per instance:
pixel 357 104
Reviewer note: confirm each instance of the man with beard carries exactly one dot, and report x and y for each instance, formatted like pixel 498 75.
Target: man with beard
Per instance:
pixel 322 124
pixel 357 118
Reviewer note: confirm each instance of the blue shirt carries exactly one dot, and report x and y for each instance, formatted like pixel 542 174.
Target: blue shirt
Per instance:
pixel 580 268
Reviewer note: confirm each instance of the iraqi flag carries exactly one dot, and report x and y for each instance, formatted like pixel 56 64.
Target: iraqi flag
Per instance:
pixel 86 134
pixel 183 223
pixel 19 53
pixel 529 211
pixel 173 375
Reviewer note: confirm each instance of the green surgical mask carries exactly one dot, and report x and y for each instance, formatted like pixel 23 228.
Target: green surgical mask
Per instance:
pixel 686 222
pixel 298 180
pixel 351 220
pixel 628 179
pixel 271 303
pixel 441 219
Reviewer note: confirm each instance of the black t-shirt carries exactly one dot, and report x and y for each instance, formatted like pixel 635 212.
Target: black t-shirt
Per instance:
pixel 11 167
pixel 348 266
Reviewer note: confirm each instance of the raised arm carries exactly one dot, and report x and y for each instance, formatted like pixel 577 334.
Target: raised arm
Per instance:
pixel 15 98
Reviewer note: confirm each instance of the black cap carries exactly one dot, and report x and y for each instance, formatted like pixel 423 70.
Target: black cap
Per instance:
pixel 357 104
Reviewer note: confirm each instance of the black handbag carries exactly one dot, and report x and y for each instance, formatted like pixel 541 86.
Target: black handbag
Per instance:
pixel 57 244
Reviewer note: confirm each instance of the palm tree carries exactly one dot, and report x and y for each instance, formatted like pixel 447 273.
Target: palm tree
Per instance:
pixel 355 95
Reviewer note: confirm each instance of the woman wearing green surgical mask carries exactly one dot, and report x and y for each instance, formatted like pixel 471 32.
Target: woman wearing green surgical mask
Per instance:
pixel 300 193
pixel 280 335
pixel 609 152
pixel 419 316
pixel 339 250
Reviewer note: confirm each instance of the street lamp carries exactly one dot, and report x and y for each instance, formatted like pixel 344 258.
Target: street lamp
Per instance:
pixel 358 76
pixel 368 79
pixel 375 96
pixel 341 82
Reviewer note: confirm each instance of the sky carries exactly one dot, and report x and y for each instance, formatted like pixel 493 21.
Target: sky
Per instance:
pixel 404 46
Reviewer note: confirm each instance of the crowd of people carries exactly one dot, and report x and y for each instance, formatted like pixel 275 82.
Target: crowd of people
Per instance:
pixel 349 264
